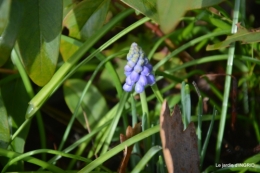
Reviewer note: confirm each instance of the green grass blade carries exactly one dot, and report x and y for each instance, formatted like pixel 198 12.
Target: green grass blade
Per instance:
pixel 150 153
pixel 206 142
pixel 227 83
pixel 109 134
pixel 188 44
pixel 119 148
pixel 45 165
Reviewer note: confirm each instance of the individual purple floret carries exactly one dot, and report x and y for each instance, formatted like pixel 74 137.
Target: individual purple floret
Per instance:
pixel 138 70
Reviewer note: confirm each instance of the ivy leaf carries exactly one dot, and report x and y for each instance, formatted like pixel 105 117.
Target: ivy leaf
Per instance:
pixel 243 35
pixel 39 38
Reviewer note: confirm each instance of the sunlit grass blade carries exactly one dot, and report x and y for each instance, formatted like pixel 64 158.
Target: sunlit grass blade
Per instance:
pixel 119 148
pixel 145 159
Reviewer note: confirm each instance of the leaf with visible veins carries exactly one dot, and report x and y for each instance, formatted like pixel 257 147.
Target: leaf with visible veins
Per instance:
pixel 180 148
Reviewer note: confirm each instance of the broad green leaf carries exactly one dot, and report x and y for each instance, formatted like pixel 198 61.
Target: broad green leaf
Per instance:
pixel 10 17
pixel 171 11
pixel 93 105
pixel 39 38
pixel 16 101
pixel 4 126
pixel 76 20
pixel 146 7
pixel 243 35
pixel 96 21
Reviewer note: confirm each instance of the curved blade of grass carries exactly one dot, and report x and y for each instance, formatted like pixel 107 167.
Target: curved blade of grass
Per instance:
pixel 24 156
pixel 119 148
pixel 188 44
pixel 150 153
pixel 45 165
pixel 87 137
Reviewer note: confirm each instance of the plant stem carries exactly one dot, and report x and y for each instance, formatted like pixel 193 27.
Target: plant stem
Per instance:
pixel 227 83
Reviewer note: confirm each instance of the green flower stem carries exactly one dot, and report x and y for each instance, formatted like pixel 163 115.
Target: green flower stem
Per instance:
pixel 45 165
pixel 133 107
pixel 157 93
pixel 136 148
pixel 146 123
pixel 48 89
pixel 145 107
pixel 119 148
pixel 227 84
pixel 30 92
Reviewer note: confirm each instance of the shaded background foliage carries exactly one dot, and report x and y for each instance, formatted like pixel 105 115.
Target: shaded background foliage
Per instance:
pixel 43 41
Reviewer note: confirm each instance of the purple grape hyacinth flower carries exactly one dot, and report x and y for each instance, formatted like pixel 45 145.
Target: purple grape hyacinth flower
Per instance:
pixel 138 70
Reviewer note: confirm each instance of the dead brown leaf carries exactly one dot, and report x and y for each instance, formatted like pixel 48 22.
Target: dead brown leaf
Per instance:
pixel 130 132
pixel 179 147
